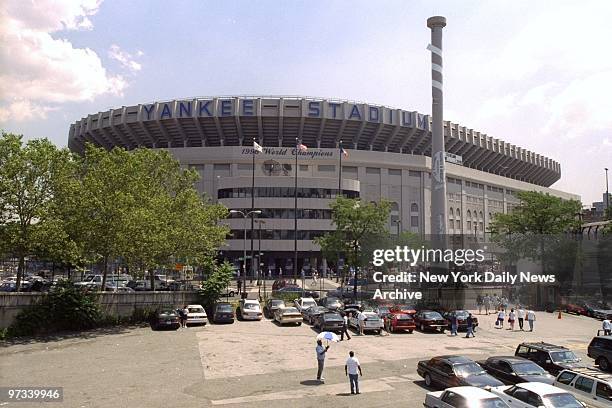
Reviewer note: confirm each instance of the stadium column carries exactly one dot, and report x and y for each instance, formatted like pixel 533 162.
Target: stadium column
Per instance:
pixel 438 174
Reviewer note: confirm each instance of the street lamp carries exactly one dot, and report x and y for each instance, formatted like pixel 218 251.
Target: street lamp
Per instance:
pixel 245 216
pixel 607 191
pixel 259 263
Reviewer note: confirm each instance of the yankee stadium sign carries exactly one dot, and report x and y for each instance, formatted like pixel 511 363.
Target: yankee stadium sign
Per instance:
pixel 243 107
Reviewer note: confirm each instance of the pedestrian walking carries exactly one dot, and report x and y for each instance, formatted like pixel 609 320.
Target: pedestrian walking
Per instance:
pixel 521 317
pixel 479 302
pixel 511 319
pixel 314 278
pixel 453 323
pixel 184 316
pixel 239 285
pixel 487 303
pixel 504 303
pixel 321 351
pixel 361 320
pixel 607 327
pixel 501 315
pixel 531 317
pixel 345 327
pixel 350 369
pixel 470 326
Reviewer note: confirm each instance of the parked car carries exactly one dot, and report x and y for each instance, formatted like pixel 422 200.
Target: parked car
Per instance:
pixel 288 315
pixel 223 313
pixel 304 303
pixel 453 371
pixel 575 309
pixel 592 387
pixel 600 349
pixel 382 311
pixel 536 394
pixel 165 319
pixel 8 286
pixel 602 314
pixel 371 323
pixel 330 321
pixel 332 303
pixel 296 290
pixel 550 357
pixel 430 320
pixel 311 314
pixel 250 309
pixel 196 315
pixel 513 370
pixel 409 309
pixel 462 316
pixel 229 292
pixel 281 283
pixel 271 306
pixel 463 397
pixel 398 322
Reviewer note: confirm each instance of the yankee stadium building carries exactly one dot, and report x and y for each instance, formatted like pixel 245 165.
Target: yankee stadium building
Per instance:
pixel 387 156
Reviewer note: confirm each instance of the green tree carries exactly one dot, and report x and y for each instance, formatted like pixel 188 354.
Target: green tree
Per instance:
pixel 216 284
pixel 538 229
pixel 30 175
pixel 359 227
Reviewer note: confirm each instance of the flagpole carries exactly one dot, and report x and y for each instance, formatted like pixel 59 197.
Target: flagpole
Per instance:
pixel 252 210
pixel 295 254
pixel 340 172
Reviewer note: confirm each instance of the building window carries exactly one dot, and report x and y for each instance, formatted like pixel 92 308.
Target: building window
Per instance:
pixel 303 167
pixel 414 207
pixel 413 173
pixel 395 172
pixel 372 170
pixel 326 168
pixel 414 221
pixel 451 212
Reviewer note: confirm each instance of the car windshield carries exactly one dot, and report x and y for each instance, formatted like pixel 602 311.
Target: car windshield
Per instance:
pixel 277 302
pixel 528 369
pixel 563 356
pixel 432 315
pixel 251 306
pixel 332 316
pixel 372 317
pixel 308 303
pixel 290 310
pixel 465 370
pixel 461 314
pixel 488 403
pixel 561 400
pixel 224 308
pixel 403 317
pixel 167 313
pixel 196 310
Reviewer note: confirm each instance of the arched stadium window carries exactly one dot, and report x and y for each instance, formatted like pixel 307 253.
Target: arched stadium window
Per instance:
pixel 451 224
pixel 480 216
pixel 394 207
pixel 414 207
pixel 451 213
pixel 469 215
pixel 458 212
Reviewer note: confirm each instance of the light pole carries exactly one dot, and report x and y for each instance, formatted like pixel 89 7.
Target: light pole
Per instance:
pixel 244 269
pixel 259 263
pixel 399 232
pixel 607 192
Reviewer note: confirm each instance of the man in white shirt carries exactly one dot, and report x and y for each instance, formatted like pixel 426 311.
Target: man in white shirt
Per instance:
pixel 361 319
pixel 351 368
pixel 521 317
pixel 321 360
pixel 501 315
pixel 345 322
pixel 607 327
pixel 530 319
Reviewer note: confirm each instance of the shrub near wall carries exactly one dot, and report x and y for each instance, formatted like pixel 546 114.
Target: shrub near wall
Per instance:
pixel 65 309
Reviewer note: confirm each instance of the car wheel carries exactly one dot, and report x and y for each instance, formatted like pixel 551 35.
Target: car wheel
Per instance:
pixel 409 331
pixel 422 327
pixel 603 364
pixel 442 330
pixel 428 381
pixel 299 323
pixel 231 293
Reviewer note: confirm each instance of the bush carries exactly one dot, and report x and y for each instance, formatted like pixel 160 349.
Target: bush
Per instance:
pixel 67 308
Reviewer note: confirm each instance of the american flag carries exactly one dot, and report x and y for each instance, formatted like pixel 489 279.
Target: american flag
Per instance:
pixel 302 147
pixel 343 152
pixel 257 147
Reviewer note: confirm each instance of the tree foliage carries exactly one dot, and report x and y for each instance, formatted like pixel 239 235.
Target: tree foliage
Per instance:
pixel 216 284
pixel 359 228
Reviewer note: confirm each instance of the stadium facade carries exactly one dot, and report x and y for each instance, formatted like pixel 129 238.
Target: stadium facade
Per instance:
pixel 388 158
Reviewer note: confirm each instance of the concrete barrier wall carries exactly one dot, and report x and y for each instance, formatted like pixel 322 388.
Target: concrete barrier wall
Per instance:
pixel 114 304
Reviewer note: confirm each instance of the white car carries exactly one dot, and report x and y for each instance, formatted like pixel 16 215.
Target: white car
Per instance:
pixel 304 303
pixel 465 397
pixel 372 322
pixel 250 309
pixel 590 386
pixel 196 315
pixel 536 394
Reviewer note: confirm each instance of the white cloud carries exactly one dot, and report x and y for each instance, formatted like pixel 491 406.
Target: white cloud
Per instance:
pixel 125 58
pixel 23 109
pixel 42 71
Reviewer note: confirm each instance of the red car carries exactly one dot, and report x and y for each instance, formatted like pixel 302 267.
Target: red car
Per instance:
pixel 575 309
pixel 430 320
pixel 395 322
pixel 408 309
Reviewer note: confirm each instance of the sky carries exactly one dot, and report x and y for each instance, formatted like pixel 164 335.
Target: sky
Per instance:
pixel 535 74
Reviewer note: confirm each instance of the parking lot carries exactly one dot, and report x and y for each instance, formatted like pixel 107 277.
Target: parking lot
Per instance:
pixel 255 363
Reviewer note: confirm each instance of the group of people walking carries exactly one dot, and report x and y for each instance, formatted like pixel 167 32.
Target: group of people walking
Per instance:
pixel 519 315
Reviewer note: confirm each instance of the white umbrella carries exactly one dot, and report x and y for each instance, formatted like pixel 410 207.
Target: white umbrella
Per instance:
pixel 328 336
